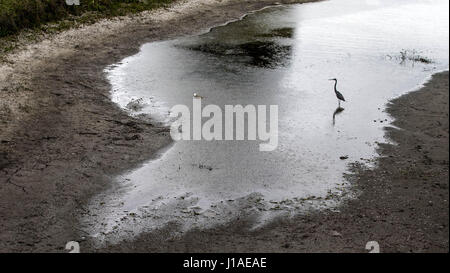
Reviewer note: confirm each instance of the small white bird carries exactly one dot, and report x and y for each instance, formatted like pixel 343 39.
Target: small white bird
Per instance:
pixel 197 96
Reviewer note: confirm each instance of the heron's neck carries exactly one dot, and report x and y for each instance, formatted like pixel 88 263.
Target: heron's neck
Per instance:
pixel 335 85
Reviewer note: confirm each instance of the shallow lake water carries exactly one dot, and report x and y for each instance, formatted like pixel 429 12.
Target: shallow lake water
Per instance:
pixel 283 56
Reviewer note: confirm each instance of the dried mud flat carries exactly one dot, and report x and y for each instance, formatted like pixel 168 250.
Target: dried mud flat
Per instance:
pixel 62 139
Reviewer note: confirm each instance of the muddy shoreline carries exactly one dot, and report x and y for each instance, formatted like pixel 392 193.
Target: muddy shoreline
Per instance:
pixel 62 140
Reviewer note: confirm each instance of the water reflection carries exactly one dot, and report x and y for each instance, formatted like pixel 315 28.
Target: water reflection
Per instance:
pixel 337 112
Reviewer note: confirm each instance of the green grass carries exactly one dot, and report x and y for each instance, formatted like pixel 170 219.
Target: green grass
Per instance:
pixel 16 15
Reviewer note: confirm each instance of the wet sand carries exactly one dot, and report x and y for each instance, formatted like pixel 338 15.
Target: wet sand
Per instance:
pixel 62 140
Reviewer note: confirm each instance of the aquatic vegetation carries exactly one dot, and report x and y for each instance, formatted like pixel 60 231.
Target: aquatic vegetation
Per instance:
pixel 286 32
pixel 267 54
pixel 413 56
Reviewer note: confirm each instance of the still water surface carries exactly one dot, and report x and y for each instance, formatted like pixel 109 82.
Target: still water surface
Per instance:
pixel 284 56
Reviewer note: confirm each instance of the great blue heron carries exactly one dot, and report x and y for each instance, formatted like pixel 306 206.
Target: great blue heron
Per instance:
pixel 339 96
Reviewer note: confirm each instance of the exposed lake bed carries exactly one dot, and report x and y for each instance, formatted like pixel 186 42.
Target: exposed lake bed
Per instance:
pixel 402 203
pixel 284 56
pixel 279 235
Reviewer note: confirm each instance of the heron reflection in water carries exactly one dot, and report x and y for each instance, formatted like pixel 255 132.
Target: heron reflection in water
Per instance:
pixel 337 112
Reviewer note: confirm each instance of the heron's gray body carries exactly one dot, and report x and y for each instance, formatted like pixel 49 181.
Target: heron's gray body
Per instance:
pixel 339 95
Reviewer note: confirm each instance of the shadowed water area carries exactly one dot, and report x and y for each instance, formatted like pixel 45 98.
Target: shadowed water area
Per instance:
pixel 278 56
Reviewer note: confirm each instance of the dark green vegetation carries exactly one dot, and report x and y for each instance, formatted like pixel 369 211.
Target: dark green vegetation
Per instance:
pixel 16 15
pixel 414 56
pixel 286 32
pixel 268 54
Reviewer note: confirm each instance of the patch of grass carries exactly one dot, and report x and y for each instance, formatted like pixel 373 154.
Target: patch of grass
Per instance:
pixel 16 15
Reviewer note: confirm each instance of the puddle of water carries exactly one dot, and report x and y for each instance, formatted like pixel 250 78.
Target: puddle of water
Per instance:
pixel 281 56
